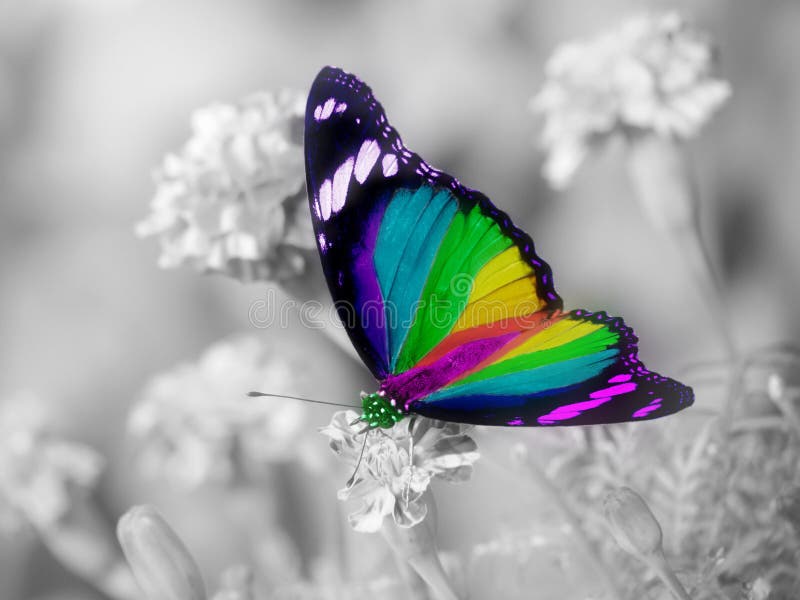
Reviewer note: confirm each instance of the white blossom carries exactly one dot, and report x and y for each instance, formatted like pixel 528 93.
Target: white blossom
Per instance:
pixel 232 201
pixel 196 425
pixel 651 73
pixel 41 472
pixel 398 465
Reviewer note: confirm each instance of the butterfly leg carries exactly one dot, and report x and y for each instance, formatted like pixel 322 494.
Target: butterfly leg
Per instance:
pixel 352 479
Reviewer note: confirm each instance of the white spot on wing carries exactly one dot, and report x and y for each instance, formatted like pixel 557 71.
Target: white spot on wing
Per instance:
pixel 367 157
pixel 341 182
pixel 327 109
pixel 389 164
pixel 340 108
pixel 325 199
pixel 317 112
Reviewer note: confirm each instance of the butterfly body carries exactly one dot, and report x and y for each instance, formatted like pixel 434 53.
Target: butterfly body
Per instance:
pixel 380 411
pixel 445 300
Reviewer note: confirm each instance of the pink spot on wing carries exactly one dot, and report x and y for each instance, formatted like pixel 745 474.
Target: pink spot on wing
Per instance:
pixel 645 410
pixel 341 182
pixel 569 411
pixel 516 421
pixel 389 165
pixel 367 157
pixel 317 112
pixel 325 199
pixel 614 390
pixel 322 243
pixel 340 108
pixel 620 378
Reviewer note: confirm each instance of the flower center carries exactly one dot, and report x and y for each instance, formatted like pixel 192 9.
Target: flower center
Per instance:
pixel 380 411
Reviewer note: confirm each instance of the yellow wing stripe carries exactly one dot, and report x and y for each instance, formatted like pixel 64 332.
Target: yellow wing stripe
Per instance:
pixel 499 271
pixel 559 334
pixel 504 288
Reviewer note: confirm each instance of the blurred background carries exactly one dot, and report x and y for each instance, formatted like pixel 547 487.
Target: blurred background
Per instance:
pixel 94 93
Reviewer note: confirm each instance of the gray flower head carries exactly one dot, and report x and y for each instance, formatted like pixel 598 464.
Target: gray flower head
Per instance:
pixel 398 465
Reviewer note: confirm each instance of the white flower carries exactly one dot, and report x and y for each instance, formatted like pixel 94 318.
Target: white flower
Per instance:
pixel 651 73
pixel 232 200
pixel 398 465
pixel 197 426
pixel 40 472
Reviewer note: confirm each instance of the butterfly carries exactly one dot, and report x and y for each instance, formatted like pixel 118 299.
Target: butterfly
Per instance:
pixel 444 299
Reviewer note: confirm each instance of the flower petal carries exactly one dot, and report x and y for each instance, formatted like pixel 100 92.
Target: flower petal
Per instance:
pixel 376 506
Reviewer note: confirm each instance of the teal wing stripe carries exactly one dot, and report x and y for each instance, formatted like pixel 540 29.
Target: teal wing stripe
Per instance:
pixel 412 229
pixel 532 381
pixel 399 220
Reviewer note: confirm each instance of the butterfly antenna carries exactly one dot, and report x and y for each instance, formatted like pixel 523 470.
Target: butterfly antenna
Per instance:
pixel 265 395
pixel 352 479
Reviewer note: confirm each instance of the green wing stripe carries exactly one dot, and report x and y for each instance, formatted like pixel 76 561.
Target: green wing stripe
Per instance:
pixel 471 241
pixel 592 343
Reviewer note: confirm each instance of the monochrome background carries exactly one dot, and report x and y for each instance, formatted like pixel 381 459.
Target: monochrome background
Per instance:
pixel 94 93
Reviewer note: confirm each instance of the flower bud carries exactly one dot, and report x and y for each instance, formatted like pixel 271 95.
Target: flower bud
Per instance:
pixel 633 525
pixel 637 531
pixel 162 565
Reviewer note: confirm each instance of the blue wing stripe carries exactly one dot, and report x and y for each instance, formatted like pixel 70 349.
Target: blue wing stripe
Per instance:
pixel 518 387
pixel 411 232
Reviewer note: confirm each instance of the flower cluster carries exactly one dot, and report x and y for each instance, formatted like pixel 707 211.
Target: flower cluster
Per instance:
pixel 197 425
pixel 40 472
pixel 232 201
pixel 651 73
pixel 398 465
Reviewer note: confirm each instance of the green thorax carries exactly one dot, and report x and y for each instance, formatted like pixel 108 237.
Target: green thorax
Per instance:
pixel 380 411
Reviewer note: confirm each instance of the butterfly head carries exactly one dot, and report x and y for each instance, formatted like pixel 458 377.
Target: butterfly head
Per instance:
pixel 378 410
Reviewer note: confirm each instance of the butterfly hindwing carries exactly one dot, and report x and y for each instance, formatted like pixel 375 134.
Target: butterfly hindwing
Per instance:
pixel 444 298
pixel 554 368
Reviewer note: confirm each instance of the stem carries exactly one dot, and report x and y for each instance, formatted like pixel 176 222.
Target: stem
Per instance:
pixel 416 545
pixel 659 564
pixel 560 501
pixel 430 570
pixel 415 584
pixel 665 185
pixel 689 243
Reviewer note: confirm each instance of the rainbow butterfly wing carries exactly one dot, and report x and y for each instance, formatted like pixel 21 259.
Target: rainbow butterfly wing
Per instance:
pixel 445 300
